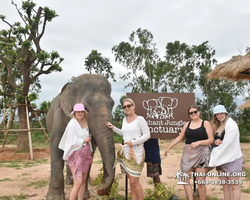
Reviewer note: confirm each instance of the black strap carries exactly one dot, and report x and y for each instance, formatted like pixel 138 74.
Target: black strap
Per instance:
pixel 222 134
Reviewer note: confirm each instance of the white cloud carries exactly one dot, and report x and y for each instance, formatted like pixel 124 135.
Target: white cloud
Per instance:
pixel 86 25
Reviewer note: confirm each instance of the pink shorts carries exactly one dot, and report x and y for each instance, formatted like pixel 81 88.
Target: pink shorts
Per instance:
pixel 81 159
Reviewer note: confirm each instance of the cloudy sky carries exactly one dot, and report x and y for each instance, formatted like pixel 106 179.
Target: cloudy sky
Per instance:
pixel 97 24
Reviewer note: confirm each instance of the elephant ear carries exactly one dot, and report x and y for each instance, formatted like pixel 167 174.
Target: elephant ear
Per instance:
pixel 66 99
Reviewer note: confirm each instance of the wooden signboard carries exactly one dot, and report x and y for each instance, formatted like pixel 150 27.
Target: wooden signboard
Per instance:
pixel 165 113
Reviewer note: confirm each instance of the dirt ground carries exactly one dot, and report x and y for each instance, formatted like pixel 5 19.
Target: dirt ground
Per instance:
pixel 31 178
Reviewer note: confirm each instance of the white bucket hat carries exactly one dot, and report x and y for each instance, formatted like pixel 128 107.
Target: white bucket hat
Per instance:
pixel 219 109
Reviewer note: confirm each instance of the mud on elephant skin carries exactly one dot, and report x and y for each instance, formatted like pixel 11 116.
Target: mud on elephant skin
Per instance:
pixel 94 92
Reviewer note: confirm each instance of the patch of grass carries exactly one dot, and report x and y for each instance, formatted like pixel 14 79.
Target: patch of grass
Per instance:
pixel 245 190
pixel 247 178
pixel 38 184
pixel 11 165
pixel 113 190
pixel 150 181
pixel 19 164
pixel 5 179
pixel 244 139
pixel 5 197
pixel 14 197
pixel 213 198
pixel 160 191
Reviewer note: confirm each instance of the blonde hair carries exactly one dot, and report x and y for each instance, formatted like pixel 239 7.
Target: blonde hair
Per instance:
pixel 84 119
pixel 129 100
pixel 216 124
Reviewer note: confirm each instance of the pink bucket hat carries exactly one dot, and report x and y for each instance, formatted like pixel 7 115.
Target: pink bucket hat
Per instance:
pixel 78 107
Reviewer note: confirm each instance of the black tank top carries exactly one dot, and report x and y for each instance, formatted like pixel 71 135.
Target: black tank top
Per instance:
pixel 194 135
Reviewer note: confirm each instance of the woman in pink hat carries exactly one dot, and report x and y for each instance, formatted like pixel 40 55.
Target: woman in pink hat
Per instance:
pixel 77 149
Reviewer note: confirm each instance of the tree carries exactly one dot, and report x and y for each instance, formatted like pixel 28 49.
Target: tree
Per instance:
pixel 100 65
pixel 24 59
pixel 190 66
pixel 140 57
pixel 118 114
pixel 180 75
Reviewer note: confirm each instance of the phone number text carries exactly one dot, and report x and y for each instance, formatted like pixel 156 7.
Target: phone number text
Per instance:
pixel 219 182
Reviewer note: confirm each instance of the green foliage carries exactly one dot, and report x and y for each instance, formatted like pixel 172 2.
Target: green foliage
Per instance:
pixel 114 188
pixel 119 114
pixel 22 58
pixel 140 57
pixel 15 197
pixel 100 65
pixel 245 190
pixel 117 138
pixel 190 66
pixel 38 184
pixel 180 75
pixel 184 69
pixel 5 179
pixel 160 191
pixel 244 139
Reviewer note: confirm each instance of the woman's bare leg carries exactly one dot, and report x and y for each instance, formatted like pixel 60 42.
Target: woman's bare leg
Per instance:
pixel 83 186
pixel 76 186
pixel 136 188
pixel 202 187
pixel 188 188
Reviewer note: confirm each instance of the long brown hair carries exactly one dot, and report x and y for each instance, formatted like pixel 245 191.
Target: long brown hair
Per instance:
pixel 216 123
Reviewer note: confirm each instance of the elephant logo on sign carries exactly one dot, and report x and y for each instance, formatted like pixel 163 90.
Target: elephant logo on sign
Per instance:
pixel 168 104
pixel 151 105
pixel 162 108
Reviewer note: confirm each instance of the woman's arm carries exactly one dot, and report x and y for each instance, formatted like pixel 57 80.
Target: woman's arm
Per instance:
pixel 144 130
pixel 177 139
pixel 115 129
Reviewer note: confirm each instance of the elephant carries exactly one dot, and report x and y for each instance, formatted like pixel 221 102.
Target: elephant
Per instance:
pixel 94 92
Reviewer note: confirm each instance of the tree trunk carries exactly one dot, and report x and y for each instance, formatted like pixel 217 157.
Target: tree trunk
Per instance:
pixel 22 137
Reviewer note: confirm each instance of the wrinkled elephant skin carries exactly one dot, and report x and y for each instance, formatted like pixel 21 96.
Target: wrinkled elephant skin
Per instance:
pixel 94 92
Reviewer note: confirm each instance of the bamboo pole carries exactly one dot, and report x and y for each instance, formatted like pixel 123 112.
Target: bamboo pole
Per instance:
pixel 29 132
pixel 11 120
pixel 20 130
pixel 41 125
pixel 4 116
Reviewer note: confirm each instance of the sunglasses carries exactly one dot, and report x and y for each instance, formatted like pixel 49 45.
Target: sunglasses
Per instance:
pixel 127 106
pixel 194 112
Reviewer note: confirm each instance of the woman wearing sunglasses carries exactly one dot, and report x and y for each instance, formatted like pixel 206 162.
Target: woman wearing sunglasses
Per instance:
pixel 226 155
pixel 195 158
pixel 131 155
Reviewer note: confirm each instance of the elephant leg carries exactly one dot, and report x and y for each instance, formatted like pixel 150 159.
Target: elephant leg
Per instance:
pixel 69 179
pixel 56 187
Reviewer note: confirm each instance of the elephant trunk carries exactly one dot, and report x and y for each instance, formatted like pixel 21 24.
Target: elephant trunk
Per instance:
pixel 104 139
